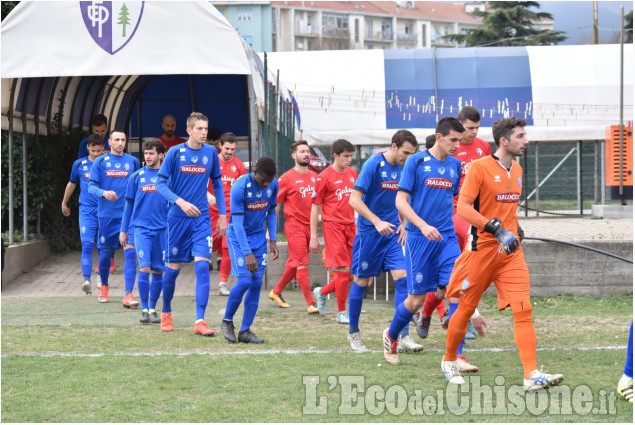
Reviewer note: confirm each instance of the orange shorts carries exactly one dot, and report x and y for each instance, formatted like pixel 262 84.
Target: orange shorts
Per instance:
pixel 298 236
pixel 338 243
pixel 474 271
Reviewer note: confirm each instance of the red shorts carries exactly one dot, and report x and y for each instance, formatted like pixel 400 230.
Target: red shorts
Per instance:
pixel 338 243
pixel 298 237
pixel 218 245
pixel 474 271
pixel 461 227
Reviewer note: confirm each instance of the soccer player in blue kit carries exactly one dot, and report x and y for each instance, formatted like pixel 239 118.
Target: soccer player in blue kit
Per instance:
pixel 108 181
pixel 253 203
pixel 429 182
pixel 147 211
pixel 380 232
pixel 88 222
pixel 183 179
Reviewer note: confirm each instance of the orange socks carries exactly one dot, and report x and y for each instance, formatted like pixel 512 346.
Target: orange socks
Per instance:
pixel 456 330
pixel 525 336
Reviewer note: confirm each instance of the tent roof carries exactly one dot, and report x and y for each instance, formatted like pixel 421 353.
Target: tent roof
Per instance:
pixel 58 38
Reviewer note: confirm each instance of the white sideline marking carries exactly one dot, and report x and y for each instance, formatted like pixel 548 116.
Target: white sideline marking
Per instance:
pixel 293 352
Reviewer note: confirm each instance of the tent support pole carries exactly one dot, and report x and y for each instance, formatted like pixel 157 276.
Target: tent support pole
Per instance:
pixel 25 172
pixel 11 179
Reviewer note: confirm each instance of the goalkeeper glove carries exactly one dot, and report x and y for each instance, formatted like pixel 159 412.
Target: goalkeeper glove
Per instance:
pixel 521 233
pixel 508 241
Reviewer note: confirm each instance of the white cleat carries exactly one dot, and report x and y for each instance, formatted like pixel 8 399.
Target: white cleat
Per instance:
pixel 451 372
pixel 407 344
pixel 464 365
pixel 355 339
pixel 539 380
pixel 390 349
pixel 87 287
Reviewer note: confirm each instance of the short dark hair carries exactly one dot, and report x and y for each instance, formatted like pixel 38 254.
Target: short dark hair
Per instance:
pixel 469 113
pixel 266 166
pixel 431 140
pixel 213 134
pixel 402 136
pixel 294 145
pixel 195 116
pixel 342 145
pixel 98 120
pixel 116 130
pixel 95 140
pixel 148 145
pixel 447 124
pixel 505 127
pixel 228 137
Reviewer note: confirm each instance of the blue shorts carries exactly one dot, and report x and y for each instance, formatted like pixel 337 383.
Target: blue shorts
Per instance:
pixel 188 237
pixel 374 253
pixel 88 224
pixel 109 229
pixel 258 244
pixel 150 248
pixel 430 263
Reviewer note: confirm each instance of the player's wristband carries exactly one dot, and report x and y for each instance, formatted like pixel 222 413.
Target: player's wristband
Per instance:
pixel 476 314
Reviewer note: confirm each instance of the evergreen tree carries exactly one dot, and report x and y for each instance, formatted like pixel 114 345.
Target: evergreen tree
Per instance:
pixel 628 27
pixel 123 18
pixel 509 23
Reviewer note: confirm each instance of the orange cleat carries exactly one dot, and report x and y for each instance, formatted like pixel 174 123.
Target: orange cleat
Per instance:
pixel 130 302
pixel 103 294
pixel 166 322
pixel 200 328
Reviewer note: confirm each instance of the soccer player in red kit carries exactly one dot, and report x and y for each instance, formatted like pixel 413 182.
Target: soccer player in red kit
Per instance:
pixel 295 192
pixel 231 168
pixel 332 192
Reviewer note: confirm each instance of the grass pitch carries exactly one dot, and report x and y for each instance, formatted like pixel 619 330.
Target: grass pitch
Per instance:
pixel 76 360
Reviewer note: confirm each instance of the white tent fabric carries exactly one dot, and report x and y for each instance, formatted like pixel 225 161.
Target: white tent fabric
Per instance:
pixel 54 38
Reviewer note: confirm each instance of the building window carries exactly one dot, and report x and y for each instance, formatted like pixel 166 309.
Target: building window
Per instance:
pixel 356 30
pixel 308 20
pixel 369 29
pixel 222 10
pixel 424 35
pixel 309 45
pixel 244 15
pixel 436 34
pixel 406 29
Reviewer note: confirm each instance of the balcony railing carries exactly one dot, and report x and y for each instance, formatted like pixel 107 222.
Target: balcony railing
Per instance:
pixel 336 32
pixel 380 36
pixel 306 30
pixel 407 37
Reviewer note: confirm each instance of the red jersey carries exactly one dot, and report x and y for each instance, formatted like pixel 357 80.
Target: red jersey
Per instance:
pixel 466 154
pixel 332 191
pixel 177 140
pixel 295 191
pixel 230 171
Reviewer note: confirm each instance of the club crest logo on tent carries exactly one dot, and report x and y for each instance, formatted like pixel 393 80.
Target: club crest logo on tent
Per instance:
pixel 112 24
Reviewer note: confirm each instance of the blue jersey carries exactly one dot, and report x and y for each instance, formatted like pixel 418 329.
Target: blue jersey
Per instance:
pixel 185 174
pixel 378 181
pixel 111 172
pixel 148 208
pixel 80 173
pixel 432 185
pixel 253 202
pixel 83 146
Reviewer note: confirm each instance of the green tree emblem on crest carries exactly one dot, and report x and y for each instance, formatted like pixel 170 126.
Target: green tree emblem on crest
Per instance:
pixel 123 19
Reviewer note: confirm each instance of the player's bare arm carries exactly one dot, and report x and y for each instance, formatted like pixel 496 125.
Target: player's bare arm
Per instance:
pixel 190 209
pixel 405 210
pixel 314 243
pixel 70 188
pixel 273 248
pixel 383 227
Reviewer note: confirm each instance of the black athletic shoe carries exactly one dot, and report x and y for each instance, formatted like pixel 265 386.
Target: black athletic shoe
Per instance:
pixel 227 326
pixel 445 320
pixel 154 317
pixel 145 317
pixel 248 337
pixel 423 326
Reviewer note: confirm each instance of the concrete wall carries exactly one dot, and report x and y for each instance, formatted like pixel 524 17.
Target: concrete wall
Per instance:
pixel 555 269
pixel 21 258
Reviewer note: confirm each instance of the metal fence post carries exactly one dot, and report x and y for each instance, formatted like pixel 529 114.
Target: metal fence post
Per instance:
pixel 579 174
pixel 537 183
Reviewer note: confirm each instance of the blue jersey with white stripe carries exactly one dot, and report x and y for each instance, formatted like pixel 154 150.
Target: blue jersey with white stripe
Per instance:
pixel 185 173
pixel 80 173
pixel 150 209
pixel 111 172
pixel 378 181
pixel 432 185
pixel 253 202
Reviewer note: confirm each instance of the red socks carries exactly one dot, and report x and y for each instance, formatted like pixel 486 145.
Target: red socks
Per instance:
pixel 289 273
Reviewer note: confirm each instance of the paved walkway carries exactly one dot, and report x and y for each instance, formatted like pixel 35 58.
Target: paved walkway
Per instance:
pixel 60 275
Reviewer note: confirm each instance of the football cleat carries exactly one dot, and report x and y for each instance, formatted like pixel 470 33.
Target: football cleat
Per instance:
pixel 166 322
pixel 464 365
pixel 538 380
pixel 278 299
pixel 321 300
pixel 222 290
pixel 390 348
pixel 626 391
pixel 201 328
pixel 145 317
pixel 312 309
pixel 451 371
pixel 407 344
pixel 103 294
pixel 248 337
pixel 227 326
pixel 342 317
pixel 423 326
pixel 445 319
pixel 130 302
pixel 355 339
pixel 154 317
pixel 87 287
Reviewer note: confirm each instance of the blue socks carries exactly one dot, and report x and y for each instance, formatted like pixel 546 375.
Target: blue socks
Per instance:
pixel 628 367
pixel 453 307
pixel 251 302
pixel 236 296
pixel 399 321
pixel 87 259
pixel 401 293
pixel 201 268
pixel 144 289
pixel 355 300
pixel 155 289
pixel 104 266
pixel 169 284
pixel 129 268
